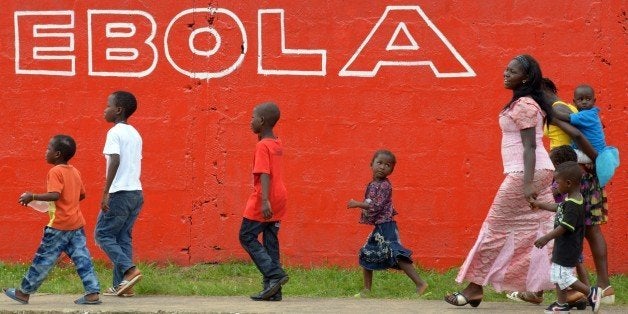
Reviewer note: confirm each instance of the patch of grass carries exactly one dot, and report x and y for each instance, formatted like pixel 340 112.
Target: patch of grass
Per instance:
pixel 236 278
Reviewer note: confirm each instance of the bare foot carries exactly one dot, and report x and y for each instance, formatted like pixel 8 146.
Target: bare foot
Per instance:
pixel 92 296
pixel 131 273
pixel 420 289
pixel 531 297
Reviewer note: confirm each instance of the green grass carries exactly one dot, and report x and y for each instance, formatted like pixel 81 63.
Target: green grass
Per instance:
pixel 237 278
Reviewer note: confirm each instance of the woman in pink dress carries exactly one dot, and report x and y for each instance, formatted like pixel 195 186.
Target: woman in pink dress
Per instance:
pixel 504 255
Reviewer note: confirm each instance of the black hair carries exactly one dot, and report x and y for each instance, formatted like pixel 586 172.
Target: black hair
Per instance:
pixel 270 112
pixel 126 101
pixel 532 87
pixel 584 86
pixel 570 170
pixel 562 154
pixel 386 152
pixel 549 85
pixel 65 145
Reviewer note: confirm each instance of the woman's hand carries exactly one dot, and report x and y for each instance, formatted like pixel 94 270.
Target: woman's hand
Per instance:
pixel 530 192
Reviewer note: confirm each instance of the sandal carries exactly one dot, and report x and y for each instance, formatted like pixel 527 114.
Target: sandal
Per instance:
pixel 514 296
pixel 127 284
pixel 83 301
pixel 525 296
pixel 363 294
pixel 460 300
pixel 112 292
pixel 608 297
pixel 10 292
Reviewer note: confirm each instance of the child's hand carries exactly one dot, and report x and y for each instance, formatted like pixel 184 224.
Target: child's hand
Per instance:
pixel 352 203
pixel 534 205
pixel 540 242
pixel 25 198
pixel 104 203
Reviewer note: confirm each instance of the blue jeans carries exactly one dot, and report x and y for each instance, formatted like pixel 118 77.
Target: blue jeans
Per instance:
pixel 265 257
pixel 54 241
pixel 114 228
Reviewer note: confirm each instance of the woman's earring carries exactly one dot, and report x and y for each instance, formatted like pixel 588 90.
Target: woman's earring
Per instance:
pixel 524 81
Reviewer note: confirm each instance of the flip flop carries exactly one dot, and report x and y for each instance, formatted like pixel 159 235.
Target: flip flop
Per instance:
pixel 82 301
pixel 425 294
pixel 10 292
pixel 362 294
pixel 514 296
pixel 461 300
pixel 525 296
pixel 112 292
pixel 126 284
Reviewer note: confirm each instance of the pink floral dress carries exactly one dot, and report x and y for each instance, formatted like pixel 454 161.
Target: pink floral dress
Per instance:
pixel 504 255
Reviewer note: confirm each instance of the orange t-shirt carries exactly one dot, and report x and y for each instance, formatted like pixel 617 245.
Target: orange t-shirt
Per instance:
pixel 65 180
pixel 267 159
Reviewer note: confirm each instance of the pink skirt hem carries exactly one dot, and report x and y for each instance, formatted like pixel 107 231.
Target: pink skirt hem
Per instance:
pixel 504 255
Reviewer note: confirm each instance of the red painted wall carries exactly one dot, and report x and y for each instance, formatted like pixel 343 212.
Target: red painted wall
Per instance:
pixel 342 93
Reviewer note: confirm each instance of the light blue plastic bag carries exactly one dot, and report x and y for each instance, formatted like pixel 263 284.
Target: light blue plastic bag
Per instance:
pixel 606 163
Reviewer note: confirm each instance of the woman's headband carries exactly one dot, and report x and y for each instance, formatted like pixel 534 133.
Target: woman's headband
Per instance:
pixel 524 62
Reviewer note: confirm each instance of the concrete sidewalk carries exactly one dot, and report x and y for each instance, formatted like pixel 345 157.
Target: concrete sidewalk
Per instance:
pixel 49 303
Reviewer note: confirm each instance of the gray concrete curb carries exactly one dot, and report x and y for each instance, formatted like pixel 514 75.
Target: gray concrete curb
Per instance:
pixel 53 303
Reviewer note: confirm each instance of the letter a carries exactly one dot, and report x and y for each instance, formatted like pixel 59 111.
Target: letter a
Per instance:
pixel 377 50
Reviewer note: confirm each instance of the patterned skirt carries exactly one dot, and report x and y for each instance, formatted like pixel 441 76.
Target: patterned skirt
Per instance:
pixel 595 206
pixel 504 255
pixel 383 248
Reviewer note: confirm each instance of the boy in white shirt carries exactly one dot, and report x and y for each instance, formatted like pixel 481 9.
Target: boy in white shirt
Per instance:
pixel 122 196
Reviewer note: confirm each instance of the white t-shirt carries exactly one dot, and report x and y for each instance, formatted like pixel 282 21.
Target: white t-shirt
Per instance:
pixel 124 140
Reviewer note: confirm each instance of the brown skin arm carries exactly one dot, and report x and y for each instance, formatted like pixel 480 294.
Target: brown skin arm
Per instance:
pixel 562 109
pixel 562 114
pixel 265 183
pixel 356 204
pixel 542 241
pixel 28 197
pixel 112 169
pixel 552 207
pixel 529 162
pixel 577 137
pixel 364 206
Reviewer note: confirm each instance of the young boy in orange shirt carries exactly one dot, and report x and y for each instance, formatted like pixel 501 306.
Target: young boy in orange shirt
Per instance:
pixel 267 205
pixel 64 232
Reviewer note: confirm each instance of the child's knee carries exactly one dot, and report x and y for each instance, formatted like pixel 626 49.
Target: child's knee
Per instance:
pixel 593 231
pixel 246 238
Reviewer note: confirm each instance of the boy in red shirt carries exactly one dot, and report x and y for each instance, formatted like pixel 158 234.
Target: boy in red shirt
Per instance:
pixel 267 205
pixel 64 232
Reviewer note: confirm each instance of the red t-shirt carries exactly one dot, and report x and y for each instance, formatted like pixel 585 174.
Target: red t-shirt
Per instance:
pixel 65 180
pixel 267 159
